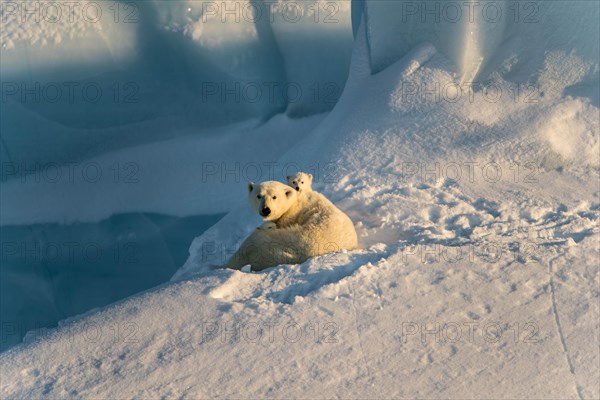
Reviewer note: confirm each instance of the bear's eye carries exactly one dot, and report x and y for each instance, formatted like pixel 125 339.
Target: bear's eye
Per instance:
pixel 274 197
pixel 258 196
pixel 302 183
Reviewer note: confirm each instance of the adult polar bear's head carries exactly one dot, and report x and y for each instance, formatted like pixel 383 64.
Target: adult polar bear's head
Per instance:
pixel 271 199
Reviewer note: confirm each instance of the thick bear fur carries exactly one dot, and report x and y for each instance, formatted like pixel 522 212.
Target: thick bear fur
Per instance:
pixel 299 225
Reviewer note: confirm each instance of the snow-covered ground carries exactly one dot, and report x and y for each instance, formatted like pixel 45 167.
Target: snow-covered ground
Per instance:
pixel 478 274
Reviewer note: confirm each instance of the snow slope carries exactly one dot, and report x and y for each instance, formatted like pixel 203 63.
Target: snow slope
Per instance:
pixel 478 274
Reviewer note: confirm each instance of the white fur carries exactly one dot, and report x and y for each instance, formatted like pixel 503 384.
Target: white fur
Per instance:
pixel 306 226
pixel 302 182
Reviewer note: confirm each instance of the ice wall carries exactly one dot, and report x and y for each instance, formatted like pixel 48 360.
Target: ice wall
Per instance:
pixel 461 31
pixel 520 40
pixel 83 78
pixel 315 41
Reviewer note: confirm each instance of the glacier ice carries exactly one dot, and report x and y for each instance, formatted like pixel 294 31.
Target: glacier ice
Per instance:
pixel 512 38
pixel 84 79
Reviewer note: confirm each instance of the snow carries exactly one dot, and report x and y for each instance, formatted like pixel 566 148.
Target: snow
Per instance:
pixel 578 118
pixel 478 271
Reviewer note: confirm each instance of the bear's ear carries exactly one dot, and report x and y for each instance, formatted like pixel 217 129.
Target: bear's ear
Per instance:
pixel 310 176
pixel 288 193
pixel 288 177
pixel 250 186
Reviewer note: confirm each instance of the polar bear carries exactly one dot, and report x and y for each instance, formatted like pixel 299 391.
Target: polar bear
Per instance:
pixel 309 198
pixel 302 182
pixel 304 229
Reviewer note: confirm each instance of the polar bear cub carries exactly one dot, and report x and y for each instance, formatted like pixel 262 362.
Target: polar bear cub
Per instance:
pixel 304 229
pixel 302 182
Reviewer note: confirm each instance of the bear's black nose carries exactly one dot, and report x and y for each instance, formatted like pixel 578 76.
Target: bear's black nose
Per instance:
pixel 265 211
pixel 298 188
